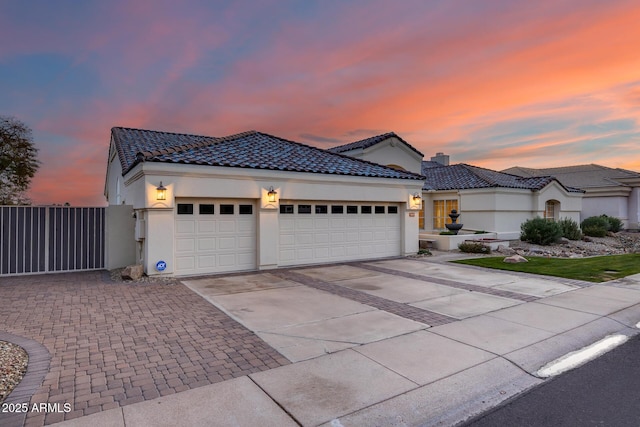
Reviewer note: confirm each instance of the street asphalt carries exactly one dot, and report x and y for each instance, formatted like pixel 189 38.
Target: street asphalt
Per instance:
pixel 603 392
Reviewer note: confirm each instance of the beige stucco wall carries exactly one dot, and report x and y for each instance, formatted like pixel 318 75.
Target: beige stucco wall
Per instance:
pixel 617 206
pixel 503 210
pixel 156 218
pixel 390 152
pixel 120 244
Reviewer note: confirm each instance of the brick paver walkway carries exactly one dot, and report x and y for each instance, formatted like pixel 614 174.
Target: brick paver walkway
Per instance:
pixel 113 344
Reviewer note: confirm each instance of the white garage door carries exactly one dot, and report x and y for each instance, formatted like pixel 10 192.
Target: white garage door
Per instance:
pixel 214 235
pixel 319 232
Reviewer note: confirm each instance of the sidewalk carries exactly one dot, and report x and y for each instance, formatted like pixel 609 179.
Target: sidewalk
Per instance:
pixel 440 375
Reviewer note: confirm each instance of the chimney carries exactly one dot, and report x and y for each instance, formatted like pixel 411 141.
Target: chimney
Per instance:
pixel 441 158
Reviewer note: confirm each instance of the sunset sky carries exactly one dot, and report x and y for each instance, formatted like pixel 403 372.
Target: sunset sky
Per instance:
pixel 491 83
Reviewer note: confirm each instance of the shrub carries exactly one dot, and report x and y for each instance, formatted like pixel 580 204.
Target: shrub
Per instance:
pixel 615 224
pixel 570 229
pixel 540 231
pixel 597 226
pixel 594 231
pixel 474 248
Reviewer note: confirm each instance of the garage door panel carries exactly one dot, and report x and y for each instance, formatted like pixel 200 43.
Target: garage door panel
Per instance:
pixel 246 242
pixel 366 222
pixel 227 226
pixel 207 226
pixel 353 250
pixel 304 239
pixel 287 256
pixel 227 260
pixel 321 238
pixel 185 263
pixel 185 227
pixel 322 253
pixel 287 239
pixel 246 226
pixel 352 236
pixel 185 245
pixel 338 223
pixel 206 243
pixel 337 237
pixel 304 223
pixel 366 236
pixel 206 261
pixel 226 243
pixel 321 223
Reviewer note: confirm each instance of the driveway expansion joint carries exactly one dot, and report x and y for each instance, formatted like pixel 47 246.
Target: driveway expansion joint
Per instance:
pixel 451 283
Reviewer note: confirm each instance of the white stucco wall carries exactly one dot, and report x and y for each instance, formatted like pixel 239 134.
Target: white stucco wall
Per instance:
pixel 390 152
pixel 612 206
pixel 503 210
pixel 634 209
pixel 157 218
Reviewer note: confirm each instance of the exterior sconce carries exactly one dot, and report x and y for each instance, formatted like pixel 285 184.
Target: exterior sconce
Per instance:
pixel 271 195
pixel 416 197
pixel 161 192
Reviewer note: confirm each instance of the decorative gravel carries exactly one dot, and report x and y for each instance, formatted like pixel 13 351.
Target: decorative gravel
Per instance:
pixel 13 366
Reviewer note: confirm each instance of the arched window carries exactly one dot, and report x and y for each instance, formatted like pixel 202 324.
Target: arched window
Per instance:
pixel 552 210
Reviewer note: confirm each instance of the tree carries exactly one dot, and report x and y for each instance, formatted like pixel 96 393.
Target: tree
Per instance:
pixel 18 161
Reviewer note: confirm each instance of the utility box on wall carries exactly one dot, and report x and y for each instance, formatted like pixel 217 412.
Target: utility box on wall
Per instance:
pixel 140 227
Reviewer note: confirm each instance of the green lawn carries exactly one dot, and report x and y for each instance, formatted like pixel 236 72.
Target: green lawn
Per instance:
pixel 596 269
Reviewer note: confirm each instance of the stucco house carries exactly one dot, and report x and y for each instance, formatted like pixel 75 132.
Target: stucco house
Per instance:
pixel 611 191
pixel 493 201
pixel 386 149
pixel 255 201
pixel 488 200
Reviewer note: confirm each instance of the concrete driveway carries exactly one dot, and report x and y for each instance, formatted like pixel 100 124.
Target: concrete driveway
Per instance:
pixel 302 321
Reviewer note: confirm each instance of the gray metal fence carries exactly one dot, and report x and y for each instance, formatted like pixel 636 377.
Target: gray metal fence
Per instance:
pixel 42 239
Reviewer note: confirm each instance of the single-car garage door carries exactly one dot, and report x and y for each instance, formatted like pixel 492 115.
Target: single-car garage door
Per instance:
pixel 214 235
pixel 319 232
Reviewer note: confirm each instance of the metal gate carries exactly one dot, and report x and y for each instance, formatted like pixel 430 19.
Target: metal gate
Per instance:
pixel 43 239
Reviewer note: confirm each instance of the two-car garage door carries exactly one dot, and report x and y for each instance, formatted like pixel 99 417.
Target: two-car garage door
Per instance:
pixel 214 235
pixel 321 232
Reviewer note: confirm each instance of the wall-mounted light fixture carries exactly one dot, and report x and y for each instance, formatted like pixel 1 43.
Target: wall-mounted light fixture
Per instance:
pixel 271 195
pixel 161 192
pixel 416 197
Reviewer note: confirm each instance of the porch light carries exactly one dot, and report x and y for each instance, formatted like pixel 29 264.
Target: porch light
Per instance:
pixel 416 197
pixel 271 195
pixel 161 192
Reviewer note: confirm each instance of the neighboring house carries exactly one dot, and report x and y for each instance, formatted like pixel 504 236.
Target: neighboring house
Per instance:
pixel 255 201
pixel 614 192
pixel 487 200
pixel 493 201
pixel 387 149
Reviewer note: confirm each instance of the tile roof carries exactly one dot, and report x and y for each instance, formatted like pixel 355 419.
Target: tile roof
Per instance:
pixel 581 176
pixel 369 142
pixel 463 176
pixel 250 149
